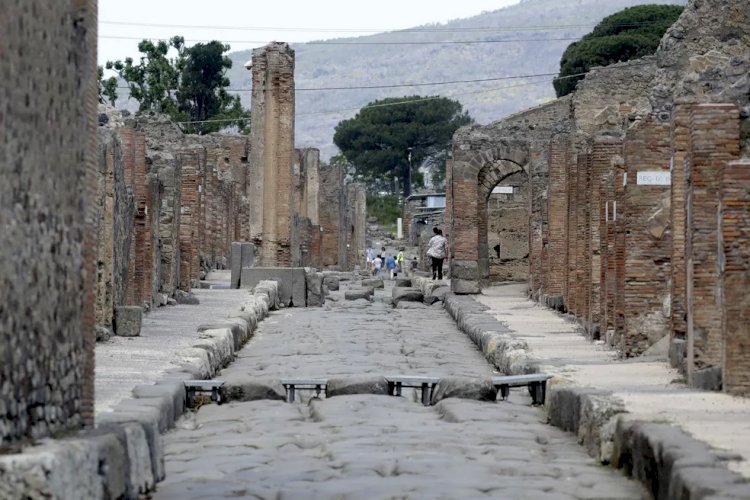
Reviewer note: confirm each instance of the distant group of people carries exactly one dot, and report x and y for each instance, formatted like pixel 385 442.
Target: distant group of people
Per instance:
pixel 389 263
pixel 437 250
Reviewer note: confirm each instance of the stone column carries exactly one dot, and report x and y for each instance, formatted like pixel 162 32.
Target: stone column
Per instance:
pixel 734 234
pixel 680 138
pixel 557 229
pixel 714 141
pixel 269 186
pixel 647 236
pixel 603 150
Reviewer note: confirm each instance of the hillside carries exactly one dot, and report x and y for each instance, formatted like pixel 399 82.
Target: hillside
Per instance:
pixel 336 64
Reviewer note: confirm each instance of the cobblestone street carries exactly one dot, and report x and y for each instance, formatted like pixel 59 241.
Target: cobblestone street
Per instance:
pixel 370 446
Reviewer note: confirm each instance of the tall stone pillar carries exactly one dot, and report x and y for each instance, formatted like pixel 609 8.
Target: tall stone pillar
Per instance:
pixel 734 233
pixel 269 183
pixel 714 140
pixel 648 244
pixel 48 143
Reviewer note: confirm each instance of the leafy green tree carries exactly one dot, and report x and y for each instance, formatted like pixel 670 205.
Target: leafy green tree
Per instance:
pixel 391 138
pixel 202 92
pixel 189 87
pixel 629 34
pixel 107 88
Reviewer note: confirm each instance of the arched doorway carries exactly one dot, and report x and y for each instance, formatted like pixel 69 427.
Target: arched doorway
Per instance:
pixel 508 209
pixel 474 174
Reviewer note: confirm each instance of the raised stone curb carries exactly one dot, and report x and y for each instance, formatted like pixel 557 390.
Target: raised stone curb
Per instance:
pixel 124 456
pixel 667 461
pixel 508 354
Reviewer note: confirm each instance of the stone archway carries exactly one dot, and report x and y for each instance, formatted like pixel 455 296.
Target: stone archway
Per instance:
pixel 473 174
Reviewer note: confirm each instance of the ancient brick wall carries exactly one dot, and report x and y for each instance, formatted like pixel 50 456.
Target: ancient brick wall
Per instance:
pixel 190 208
pixel 734 234
pixel 680 139
pixel 305 200
pixel 647 239
pixel 116 211
pixel 604 150
pixel 269 180
pixel 556 247
pixel 714 140
pixel 331 202
pixel 48 240
pixel 508 230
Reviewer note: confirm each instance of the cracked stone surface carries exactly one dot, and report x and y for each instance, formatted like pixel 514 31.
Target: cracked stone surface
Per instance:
pixel 370 446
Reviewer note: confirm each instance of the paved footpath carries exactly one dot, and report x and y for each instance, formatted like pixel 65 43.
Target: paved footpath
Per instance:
pixel 649 387
pixel 125 362
pixel 370 446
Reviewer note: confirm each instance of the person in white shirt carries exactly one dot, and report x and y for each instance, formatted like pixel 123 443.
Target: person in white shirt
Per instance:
pixel 437 250
pixel 377 264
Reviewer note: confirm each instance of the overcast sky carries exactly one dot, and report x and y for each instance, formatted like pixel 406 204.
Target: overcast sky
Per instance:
pixel 285 20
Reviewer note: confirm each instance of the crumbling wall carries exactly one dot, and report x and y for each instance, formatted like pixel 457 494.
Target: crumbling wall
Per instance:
pixel 47 215
pixel 703 58
pixel 331 201
pixel 116 208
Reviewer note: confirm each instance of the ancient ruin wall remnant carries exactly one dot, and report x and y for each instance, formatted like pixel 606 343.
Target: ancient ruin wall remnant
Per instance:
pixel 47 241
pixel 269 184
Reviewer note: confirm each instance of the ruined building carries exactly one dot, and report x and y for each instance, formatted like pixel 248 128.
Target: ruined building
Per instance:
pixel 168 207
pixel 637 211
pixel 299 213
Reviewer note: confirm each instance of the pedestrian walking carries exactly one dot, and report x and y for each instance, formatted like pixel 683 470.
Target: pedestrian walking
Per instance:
pixel 400 260
pixel 369 257
pixel 390 265
pixel 377 264
pixel 437 251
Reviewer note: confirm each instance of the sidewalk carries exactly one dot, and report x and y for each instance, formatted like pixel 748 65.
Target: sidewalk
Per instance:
pixel 166 337
pixel 648 387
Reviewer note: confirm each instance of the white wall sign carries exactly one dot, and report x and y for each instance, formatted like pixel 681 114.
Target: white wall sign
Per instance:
pixel 655 178
pixel 503 190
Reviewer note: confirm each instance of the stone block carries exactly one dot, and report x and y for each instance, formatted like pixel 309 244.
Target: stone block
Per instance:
pixel 403 282
pixel 314 284
pixel 149 422
pixel 291 280
pixel 465 287
pixel 241 387
pixel 235 264
pixel 359 293
pixel 128 320
pixel 373 282
pixel 362 384
pixel 464 388
pixel 248 255
pixel 406 294
pixel 708 379
pixel 186 298
pixel 172 391
pixel 411 305
pixel 103 334
pixel 465 270
pixel 331 282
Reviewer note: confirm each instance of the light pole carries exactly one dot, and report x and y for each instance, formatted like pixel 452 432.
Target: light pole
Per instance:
pixel 407 180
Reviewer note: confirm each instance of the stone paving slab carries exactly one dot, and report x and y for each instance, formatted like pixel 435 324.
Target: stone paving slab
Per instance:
pixel 367 446
pixel 356 338
pixel 123 363
pixel 650 389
